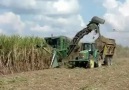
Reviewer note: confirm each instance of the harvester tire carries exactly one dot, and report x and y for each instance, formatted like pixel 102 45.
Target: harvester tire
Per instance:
pixel 91 63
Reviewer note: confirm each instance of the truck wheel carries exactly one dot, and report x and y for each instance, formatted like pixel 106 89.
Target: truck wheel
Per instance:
pixel 108 61
pixel 99 64
pixel 91 63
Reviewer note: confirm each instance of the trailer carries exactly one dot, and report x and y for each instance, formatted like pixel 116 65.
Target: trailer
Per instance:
pixel 106 47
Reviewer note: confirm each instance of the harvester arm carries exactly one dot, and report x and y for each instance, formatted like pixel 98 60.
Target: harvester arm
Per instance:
pixel 93 25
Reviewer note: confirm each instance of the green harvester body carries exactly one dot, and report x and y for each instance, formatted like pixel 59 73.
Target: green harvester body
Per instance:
pixel 60 48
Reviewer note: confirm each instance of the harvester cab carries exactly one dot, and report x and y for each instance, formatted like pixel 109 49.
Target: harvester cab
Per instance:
pixel 59 45
pixel 53 41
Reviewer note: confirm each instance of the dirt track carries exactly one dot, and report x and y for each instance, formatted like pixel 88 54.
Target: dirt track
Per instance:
pixel 115 77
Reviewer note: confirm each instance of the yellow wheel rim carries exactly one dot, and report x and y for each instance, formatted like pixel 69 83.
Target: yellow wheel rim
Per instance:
pixel 91 63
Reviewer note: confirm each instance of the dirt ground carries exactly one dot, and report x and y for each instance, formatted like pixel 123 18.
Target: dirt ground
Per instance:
pixel 115 77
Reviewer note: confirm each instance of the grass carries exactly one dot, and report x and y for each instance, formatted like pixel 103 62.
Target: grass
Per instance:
pixel 6 81
pixel 21 54
pixel 122 52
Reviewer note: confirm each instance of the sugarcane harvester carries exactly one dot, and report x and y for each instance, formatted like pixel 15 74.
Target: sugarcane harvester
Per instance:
pixel 63 47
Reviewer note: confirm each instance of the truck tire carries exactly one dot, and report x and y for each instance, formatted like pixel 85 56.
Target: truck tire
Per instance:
pixel 98 64
pixel 108 61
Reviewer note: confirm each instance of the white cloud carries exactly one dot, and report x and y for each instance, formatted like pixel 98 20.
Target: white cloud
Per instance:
pixel 24 4
pixel 41 6
pixel 81 21
pixel 110 4
pixel 68 26
pixel 66 6
pixel 68 21
pixel 116 21
pixel 9 22
pixel 39 28
pixel 60 17
pixel 123 9
pixel 117 15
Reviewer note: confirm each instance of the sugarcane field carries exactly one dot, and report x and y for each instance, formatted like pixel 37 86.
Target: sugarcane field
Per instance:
pixel 64 45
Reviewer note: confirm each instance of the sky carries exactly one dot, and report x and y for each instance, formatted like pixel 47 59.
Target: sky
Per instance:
pixel 44 18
